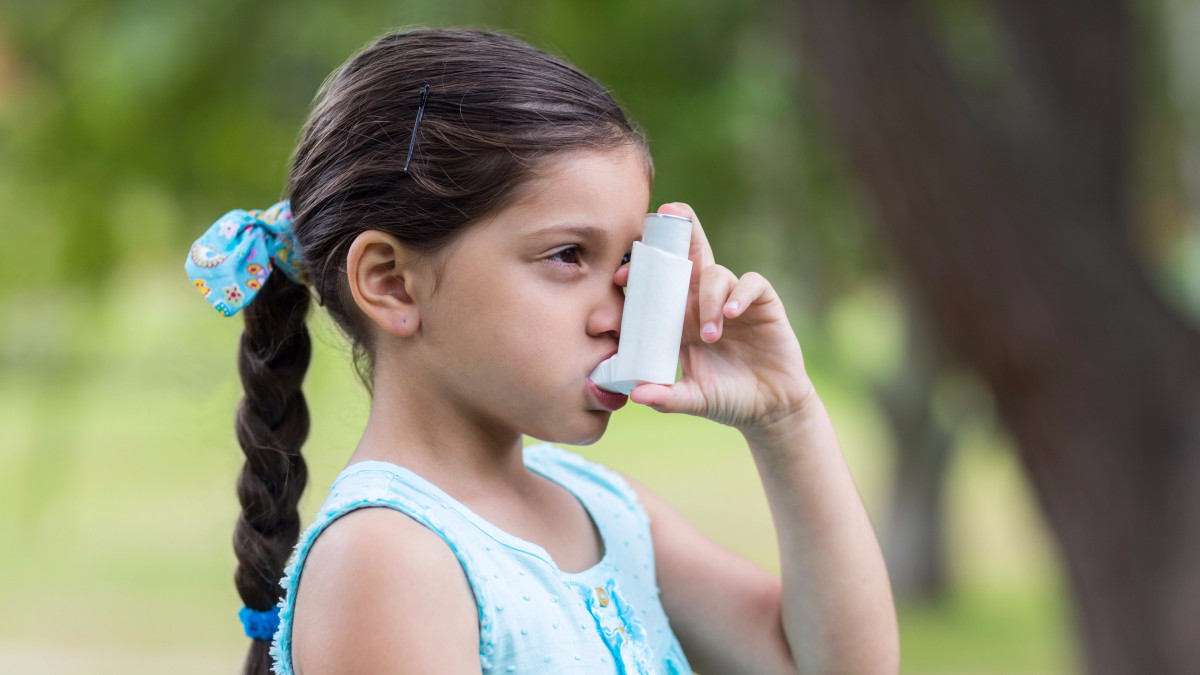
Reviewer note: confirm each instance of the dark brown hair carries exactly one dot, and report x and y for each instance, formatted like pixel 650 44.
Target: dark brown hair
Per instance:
pixel 497 109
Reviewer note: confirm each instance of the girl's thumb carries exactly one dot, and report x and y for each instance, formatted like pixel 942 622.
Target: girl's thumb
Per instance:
pixel 657 396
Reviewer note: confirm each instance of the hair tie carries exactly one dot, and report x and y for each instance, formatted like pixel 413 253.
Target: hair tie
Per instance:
pixel 260 625
pixel 231 261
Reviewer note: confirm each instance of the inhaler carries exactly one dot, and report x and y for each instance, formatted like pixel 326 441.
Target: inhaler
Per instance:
pixel 655 302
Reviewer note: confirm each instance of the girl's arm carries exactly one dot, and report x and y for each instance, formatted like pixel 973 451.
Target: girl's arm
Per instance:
pixel 837 607
pixel 833 611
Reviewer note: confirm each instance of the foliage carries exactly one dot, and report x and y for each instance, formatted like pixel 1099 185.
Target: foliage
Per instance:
pixel 128 125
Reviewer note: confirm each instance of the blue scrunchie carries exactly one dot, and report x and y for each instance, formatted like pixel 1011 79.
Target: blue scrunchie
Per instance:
pixel 260 625
pixel 231 261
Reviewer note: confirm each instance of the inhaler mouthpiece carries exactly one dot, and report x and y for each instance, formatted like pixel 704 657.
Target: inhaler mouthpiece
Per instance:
pixel 655 302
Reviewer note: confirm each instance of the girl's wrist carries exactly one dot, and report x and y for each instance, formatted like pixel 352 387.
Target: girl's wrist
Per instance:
pixel 794 411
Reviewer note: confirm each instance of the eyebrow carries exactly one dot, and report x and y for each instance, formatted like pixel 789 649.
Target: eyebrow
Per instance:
pixel 589 232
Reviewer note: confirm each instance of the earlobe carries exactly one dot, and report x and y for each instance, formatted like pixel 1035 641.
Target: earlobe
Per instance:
pixel 383 282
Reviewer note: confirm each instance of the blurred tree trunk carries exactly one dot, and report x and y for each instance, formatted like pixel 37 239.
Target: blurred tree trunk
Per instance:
pixel 915 543
pixel 1014 225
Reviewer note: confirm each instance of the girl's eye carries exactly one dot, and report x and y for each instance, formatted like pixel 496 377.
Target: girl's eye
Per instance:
pixel 573 254
pixel 568 254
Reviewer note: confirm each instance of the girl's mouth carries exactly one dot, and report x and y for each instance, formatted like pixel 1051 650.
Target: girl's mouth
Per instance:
pixel 611 401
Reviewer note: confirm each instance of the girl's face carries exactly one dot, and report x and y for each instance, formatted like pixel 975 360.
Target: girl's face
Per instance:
pixel 528 305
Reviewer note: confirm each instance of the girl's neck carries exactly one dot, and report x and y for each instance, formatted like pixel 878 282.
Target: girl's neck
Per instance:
pixel 427 435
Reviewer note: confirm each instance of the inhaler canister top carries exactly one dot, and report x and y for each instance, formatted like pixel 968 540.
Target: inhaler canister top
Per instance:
pixel 669 233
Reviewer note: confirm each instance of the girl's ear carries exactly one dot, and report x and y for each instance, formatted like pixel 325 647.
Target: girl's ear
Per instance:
pixel 384 279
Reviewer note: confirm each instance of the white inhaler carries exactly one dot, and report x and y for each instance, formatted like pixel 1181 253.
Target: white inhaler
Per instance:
pixel 655 302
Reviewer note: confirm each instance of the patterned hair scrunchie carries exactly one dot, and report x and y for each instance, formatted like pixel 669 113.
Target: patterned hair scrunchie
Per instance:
pixel 231 261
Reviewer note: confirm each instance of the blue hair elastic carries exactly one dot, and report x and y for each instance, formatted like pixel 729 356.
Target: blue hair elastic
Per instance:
pixel 260 625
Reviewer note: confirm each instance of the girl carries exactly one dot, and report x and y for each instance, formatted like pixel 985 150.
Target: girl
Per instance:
pixel 463 205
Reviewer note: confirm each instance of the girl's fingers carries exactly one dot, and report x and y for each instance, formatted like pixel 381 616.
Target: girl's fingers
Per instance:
pixel 621 278
pixel 700 253
pixel 715 285
pixel 749 289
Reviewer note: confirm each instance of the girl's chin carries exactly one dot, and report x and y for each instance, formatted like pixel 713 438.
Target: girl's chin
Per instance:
pixel 585 434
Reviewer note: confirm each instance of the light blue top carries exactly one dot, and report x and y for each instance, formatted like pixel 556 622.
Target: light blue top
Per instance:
pixel 533 617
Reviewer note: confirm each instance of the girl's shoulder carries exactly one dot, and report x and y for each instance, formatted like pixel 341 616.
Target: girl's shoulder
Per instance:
pixel 377 537
pixel 354 574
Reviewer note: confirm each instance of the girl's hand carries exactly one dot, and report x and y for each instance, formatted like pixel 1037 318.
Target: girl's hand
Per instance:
pixel 742 364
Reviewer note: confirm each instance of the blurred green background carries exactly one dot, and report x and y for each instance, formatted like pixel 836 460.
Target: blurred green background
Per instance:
pixel 127 127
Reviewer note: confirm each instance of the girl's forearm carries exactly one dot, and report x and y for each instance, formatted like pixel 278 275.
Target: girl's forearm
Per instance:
pixel 838 613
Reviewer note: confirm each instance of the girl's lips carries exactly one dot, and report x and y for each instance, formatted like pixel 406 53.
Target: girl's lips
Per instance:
pixel 611 401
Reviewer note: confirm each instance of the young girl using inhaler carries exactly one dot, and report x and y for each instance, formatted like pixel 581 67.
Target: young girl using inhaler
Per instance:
pixel 464 206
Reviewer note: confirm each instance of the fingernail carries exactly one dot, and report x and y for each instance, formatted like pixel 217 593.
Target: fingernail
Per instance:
pixel 732 305
pixel 709 328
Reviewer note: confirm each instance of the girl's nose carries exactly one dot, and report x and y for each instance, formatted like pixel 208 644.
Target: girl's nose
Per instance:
pixel 607 317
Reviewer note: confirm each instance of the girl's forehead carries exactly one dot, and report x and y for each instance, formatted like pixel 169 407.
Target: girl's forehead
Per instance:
pixel 569 226
pixel 579 225
pixel 602 193
pixel 583 171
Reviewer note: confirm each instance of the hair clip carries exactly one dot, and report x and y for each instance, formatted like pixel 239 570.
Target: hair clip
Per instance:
pixel 420 111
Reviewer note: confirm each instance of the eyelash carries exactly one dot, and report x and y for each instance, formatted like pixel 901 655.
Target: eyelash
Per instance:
pixel 579 252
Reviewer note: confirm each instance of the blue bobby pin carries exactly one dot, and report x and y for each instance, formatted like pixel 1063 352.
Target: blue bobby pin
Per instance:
pixel 260 625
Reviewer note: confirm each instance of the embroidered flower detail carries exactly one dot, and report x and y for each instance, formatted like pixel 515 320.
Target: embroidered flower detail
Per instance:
pixel 202 287
pixel 229 227
pixel 206 257
pixel 233 295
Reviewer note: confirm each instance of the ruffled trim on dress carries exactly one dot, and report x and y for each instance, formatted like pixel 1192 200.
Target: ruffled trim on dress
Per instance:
pixel 621 630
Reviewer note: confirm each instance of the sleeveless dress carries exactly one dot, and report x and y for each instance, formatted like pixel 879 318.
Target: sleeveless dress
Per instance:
pixel 533 617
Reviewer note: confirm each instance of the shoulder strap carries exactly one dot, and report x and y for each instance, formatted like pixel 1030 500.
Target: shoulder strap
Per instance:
pixel 584 474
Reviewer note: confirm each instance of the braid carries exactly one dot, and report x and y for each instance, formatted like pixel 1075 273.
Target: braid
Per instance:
pixel 272 424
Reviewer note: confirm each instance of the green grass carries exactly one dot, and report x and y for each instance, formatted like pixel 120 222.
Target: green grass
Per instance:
pixel 118 460
pixel 991 630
